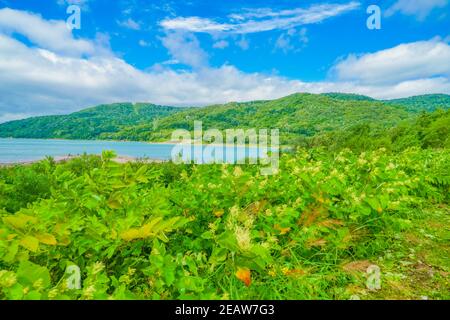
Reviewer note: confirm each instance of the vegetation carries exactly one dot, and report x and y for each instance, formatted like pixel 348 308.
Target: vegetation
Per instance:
pixel 368 188
pixel 161 231
pixel 348 96
pixel 298 116
pixel 86 124
pixel 428 130
pixel 430 102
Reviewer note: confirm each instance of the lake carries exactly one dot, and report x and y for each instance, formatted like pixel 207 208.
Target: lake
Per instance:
pixel 26 150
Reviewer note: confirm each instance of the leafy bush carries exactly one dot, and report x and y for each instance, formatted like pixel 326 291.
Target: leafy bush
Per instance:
pixel 160 231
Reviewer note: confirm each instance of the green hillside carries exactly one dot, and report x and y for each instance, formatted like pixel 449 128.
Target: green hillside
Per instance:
pixel 86 124
pixel 348 96
pixel 298 115
pixel 370 191
pixel 428 102
pixel 426 131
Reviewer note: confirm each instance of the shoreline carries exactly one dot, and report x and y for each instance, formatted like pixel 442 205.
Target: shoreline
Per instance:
pixel 167 142
pixel 125 159
pixel 61 159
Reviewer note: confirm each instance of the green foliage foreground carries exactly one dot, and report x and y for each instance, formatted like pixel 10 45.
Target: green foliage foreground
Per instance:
pixel 161 231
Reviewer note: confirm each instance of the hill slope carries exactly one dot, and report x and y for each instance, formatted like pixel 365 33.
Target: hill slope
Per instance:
pixel 86 124
pixel 426 131
pixel 296 115
pixel 428 102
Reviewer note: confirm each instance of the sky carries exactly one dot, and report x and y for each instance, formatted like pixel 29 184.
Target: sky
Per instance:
pixel 201 52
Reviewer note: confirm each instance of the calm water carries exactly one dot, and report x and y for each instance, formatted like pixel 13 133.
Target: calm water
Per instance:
pixel 24 150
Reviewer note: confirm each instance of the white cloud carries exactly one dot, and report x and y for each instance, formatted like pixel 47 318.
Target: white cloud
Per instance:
pixel 419 8
pixel 195 24
pixel 13 116
pixel 41 80
pixel 69 2
pixel 221 44
pixel 292 40
pixel 260 20
pixel 405 62
pixel 129 24
pixel 185 48
pixel 84 4
pixel 243 43
pixel 144 43
pixel 48 34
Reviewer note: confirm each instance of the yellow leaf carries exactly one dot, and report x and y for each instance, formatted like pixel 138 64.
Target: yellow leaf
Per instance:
pixel 114 204
pixel 316 243
pixel 219 213
pixel 11 236
pixel 244 275
pixel 30 243
pixel 293 272
pixel 281 229
pixel 19 220
pixel 130 234
pixel 360 265
pixel 47 238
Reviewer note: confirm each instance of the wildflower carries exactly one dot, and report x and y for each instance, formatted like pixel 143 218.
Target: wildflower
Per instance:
pixel 98 267
pixel 52 294
pixel 38 284
pixel 243 238
pixel 238 172
pixel 390 166
pixel 7 279
pixel 88 293
pixel 212 227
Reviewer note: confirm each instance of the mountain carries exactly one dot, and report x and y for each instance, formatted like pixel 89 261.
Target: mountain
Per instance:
pixel 425 131
pixel 298 116
pixel 88 123
pixel 429 102
pixel 347 96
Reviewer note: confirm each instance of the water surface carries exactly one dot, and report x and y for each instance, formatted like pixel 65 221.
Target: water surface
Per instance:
pixel 26 150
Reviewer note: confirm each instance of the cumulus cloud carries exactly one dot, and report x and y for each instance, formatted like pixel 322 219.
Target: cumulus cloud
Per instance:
pixel 411 61
pixel 260 20
pixel 419 8
pixel 49 34
pixel 185 48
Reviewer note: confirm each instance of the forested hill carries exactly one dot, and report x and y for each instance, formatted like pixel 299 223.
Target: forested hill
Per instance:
pixel 429 102
pixel 297 116
pixel 88 123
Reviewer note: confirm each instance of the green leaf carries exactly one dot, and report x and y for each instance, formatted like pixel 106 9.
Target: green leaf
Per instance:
pixel 28 273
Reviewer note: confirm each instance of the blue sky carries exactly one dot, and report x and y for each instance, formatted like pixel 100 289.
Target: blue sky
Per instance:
pixel 201 52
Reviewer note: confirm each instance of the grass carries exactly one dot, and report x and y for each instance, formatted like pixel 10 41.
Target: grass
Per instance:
pixel 417 264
